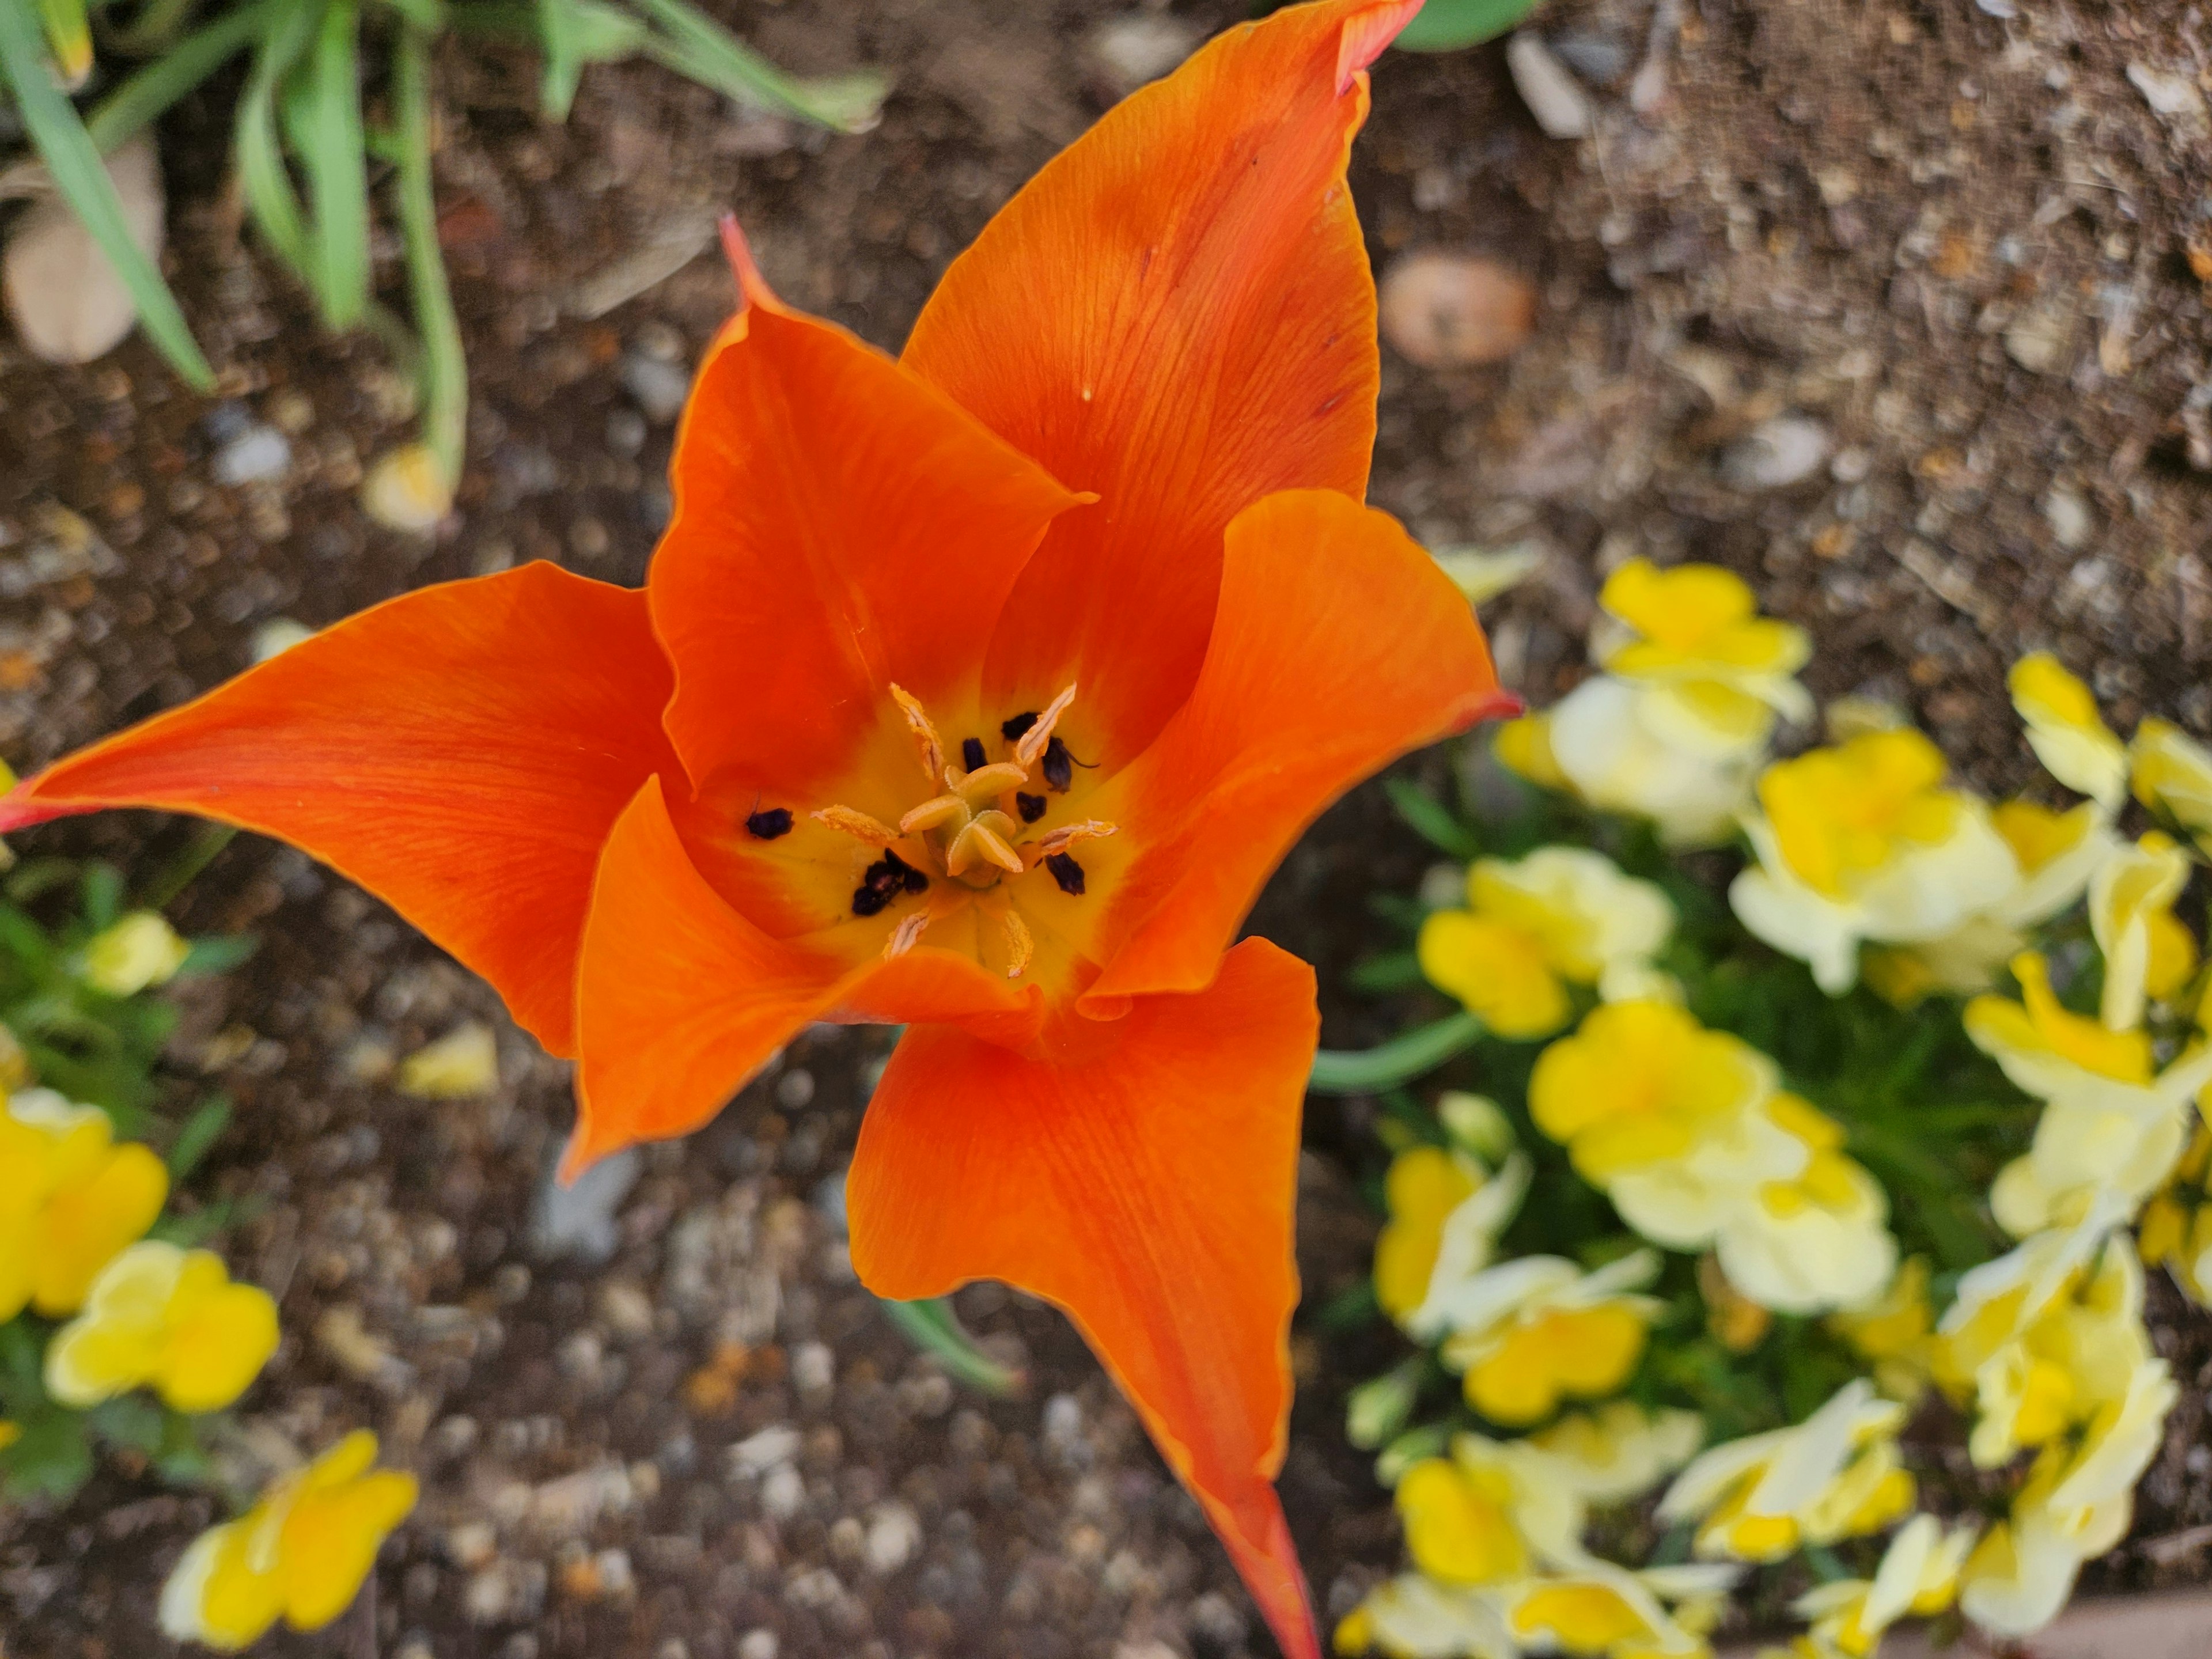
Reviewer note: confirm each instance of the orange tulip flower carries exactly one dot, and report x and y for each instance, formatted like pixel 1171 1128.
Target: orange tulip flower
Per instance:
pixel 977 692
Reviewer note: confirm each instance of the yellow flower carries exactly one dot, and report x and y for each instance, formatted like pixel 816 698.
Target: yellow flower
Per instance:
pixel 1414 1616
pixel 2173 777
pixel 1619 1451
pixel 1736 1322
pixel 1446 1215
pixel 300 1554
pixel 69 1200
pixel 2149 954
pixel 129 955
pixel 1642 1084
pixel 1861 842
pixel 1918 1577
pixel 2111 1125
pixel 1459 1523
pixel 463 1063
pixel 1817 1239
pixel 1562 915
pixel 1482 573
pixel 167 1319
pixel 1626 747
pixel 1533 1330
pixel 1835 1476
pixel 2068 734
pixel 1697 625
pixel 1896 1332
pixel 2175 1231
pixel 1602 1612
pixel 9 1433
pixel 1524 745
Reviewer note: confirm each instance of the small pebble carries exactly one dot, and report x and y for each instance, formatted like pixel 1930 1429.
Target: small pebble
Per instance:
pixel 782 1493
pixel 579 1220
pixel 813 1368
pixel 2068 515
pixel 2038 339
pixel 1777 453
pixel 657 388
pixel 2171 97
pixel 1140 46
pixel 626 431
pixel 775 1445
pixel 760 1643
pixel 794 1089
pixel 1447 310
pixel 67 302
pixel 894 1534
pixel 1552 94
pixel 275 637
pixel 258 453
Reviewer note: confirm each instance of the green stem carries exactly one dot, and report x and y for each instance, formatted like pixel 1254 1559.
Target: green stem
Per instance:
pixel 934 1329
pixel 444 373
pixel 200 852
pixel 154 28
pixel 1404 1057
pixel 147 95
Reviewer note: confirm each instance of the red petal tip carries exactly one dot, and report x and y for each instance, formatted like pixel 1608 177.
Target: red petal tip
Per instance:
pixel 1366 36
pixel 19 810
pixel 752 287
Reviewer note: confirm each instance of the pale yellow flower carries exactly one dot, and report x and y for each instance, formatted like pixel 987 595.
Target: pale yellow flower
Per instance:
pixel 167 1319
pixel 1561 916
pixel 2175 1231
pixel 133 954
pixel 1835 1476
pixel 71 1199
pixel 1918 1577
pixel 300 1554
pixel 2173 777
pixel 1696 628
pixel 1619 1451
pixel 1639 748
pixel 2068 734
pixel 1524 746
pixel 1896 1332
pixel 1446 1212
pixel 1531 1332
pixel 1863 842
pixel 1818 1239
pixel 1482 573
pixel 2149 954
pixel 1606 1611
pixel 1413 1616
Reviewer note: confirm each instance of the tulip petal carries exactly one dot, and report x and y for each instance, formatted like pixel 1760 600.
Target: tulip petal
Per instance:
pixel 840 525
pixel 1142 1181
pixel 460 751
pixel 1176 312
pixel 680 998
pixel 1339 646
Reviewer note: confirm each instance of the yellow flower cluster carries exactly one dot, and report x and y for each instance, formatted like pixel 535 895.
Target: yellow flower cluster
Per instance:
pixel 300 1554
pixel 166 1319
pixel 1690 1134
pixel 2176 1230
pixel 1917 1578
pixel 1495 1532
pixel 1561 917
pixel 1676 725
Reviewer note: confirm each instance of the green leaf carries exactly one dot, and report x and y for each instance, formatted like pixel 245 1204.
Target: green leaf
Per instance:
pixel 35 877
pixel 130 1421
pixel 146 96
pixel 69 37
pixel 933 1327
pixel 574 32
pixel 102 890
pixel 218 955
pixel 1450 25
pixel 261 175
pixel 74 162
pixel 200 1132
pixel 1399 1061
pixel 693 44
pixel 1432 823
pixel 331 149
pixel 1398 971
pixel 53 1457
pixel 443 371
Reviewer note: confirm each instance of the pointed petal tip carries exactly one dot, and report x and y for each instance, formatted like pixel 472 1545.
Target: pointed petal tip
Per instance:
pixel 1269 1566
pixel 752 287
pixel 1366 32
pixel 20 809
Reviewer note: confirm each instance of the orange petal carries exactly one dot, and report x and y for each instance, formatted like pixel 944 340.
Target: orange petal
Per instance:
pixel 460 751
pixel 1339 645
pixel 680 999
pixel 839 524
pixel 1177 314
pixel 1143 1182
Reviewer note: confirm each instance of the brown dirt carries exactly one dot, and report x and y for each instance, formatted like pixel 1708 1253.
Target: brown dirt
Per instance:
pixel 1842 213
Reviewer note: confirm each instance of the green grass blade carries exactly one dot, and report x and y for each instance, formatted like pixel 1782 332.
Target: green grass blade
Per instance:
pixel 933 1327
pixel 1449 25
pixel 261 175
pixel 696 45
pixel 444 372
pixel 74 161
pixel 1347 1072
pixel 146 96
pixel 152 31
pixel 331 149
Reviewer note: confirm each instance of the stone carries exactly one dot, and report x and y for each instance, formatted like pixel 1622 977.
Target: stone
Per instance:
pixel 1444 310
pixel 2038 340
pixel 579 1221
pixel 894 1534
pixel 657 387
pixel 1547 87
pixel 1778 454
pixel 67 302
pixel 255 453
pixel 778 1443
pixel 1138 46
pixel 2069 516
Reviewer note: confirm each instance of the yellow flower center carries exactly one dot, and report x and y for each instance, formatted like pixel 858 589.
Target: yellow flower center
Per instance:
pixel 1840 814
pixel 971 835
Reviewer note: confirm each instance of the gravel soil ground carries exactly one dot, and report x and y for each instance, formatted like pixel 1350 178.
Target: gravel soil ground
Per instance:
pixel 1898 308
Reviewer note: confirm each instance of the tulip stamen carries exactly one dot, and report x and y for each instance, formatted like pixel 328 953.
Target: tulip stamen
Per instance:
pixel 857 824
pixel 906 935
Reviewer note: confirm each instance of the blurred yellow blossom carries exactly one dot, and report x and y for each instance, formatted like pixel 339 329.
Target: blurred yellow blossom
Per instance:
pixel 1524 746
pixel 9 1433
pixel 300 1554
pixel 2068 734
pixel 1446 1212
pixel 2173 775
pixel 1482 573
pixel 1697 628
pixel 1835 1476
pixel 1861 841
pixel 167 1319
pixel 1413 1616
pixel 1641 1084
pixel 1606 1611
pixel 1476 1122
pixel 1816 1239
pixel 1533 1330
pixel 1896 1332
pixel 2149 954
pixel 1491 1512
pixel 2176 1229
pixel 134 953
pixel 1562 915
pixel 1618 1450
pixel 1918 1577
pixel 71 1199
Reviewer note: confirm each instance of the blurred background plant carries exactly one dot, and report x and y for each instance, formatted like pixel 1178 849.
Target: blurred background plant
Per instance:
pixel 1843 1088
pixel 336 105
